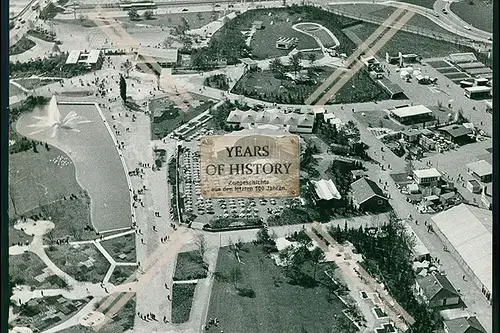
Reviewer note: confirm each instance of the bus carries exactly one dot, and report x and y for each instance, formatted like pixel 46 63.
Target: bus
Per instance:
pixel 138 5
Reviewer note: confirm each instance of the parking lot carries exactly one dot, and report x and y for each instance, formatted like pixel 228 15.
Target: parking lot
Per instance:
pixel 207 209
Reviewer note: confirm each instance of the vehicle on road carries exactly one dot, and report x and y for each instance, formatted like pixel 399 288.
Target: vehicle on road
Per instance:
pixel 466 27
pixel 436 14
pixel 185 9
pixel 445 11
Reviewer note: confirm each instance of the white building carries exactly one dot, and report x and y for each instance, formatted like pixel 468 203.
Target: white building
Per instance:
pixel 426 176
pixel 293 122
pixel 326 189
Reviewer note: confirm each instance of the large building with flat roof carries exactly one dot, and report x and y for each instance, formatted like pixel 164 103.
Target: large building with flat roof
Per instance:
pixel 92 58
pixel 295 123
pixel 426 176
pixel 163 57
pixel 467 233
pixel 412 114
pixel 481 170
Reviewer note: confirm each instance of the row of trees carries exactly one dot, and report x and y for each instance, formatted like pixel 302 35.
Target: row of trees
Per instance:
pixel 295 64
pixel 133 15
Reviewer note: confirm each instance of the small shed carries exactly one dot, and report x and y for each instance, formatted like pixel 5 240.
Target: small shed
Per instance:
pixel 473 186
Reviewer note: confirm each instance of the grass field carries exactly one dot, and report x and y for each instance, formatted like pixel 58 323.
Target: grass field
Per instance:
pixel 424 46
pixel 189 267
pixel 121 274
pixel 14 90
pixel 52 180
pixel 31 84
pixel 479 15
pixel 263 41
pixel 182 301
pixel 23 45
pixel 166 116
pixel 122 249
pixel 277 306
pixel 27 266
pixel 376 118
pixel 70 259
pixel 324 37
pixel 195 20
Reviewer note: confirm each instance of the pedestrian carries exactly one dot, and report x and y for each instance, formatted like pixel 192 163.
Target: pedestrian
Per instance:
pixel 166 286
pixel 463 277
pixel 142 240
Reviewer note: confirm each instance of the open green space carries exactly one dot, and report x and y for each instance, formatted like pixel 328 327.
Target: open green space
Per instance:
pixel 122 249
pixel 23 45
pixel 377 118
pixel 33 314
pixel 422 3
pixel 478 13
pixel 182 301
pixel 31 84
pixel 54 178
pixel 121 274
pixel 122 321
pixel 166 116
pixel 25 268
pixel 424 46
pixel 16 236
pixel 82 262
pixel 195 20
pixel 190 266
pixel 14 90
pixel 258 296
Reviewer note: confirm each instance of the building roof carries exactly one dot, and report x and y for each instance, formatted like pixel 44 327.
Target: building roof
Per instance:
pixel 463 57
pixel 464 325
pixel 427 173
pixel 411 131
pixel 274 117
pixel 73 57
pixel 480 168
pixel 364 189
pixel 93 56
pixel 469 230
pixel 326 189
pixel 162 55
pixel 419 249
pixel 456 131
pixel 391 87
pixel 476 64
pixel 436 286
pixel 478 89
pixel 409 111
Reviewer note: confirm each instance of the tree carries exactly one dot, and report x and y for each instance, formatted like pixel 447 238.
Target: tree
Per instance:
pixel 201 244
pixel 167 42
pixel 199 16
pixel 133 15
pixel 34 144
pixel 409 167
pixel 235 274
pixel 181 28
pixel 148 15
pixel 123 88
pixel 295 63
pixel 126 67
pixel 312 58
pixel 317 256
pixel 277 68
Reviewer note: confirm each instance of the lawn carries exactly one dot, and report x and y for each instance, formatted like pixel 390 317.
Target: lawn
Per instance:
pixel 54 178
pixel 263 41
pixel 122 274
pixel 190 267
pixel 375 118
pixel 24 269
pixel 293 307
pixel 31 84
pixel 424 46
pixel 122 249
pixel 74 260
pixel 324 37
pixel 23 45
pixel 122 321
pixel 422 3
pixel 182 301
pixel 33 314
pixel 16 236
pixel 195 20
pixel 14 90
pixel 166 116
pixel 479 15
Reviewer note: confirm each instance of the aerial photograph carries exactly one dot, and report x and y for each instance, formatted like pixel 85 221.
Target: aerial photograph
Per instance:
pixel 222 166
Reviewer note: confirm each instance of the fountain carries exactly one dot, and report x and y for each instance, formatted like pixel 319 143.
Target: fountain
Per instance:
pixel 53 120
